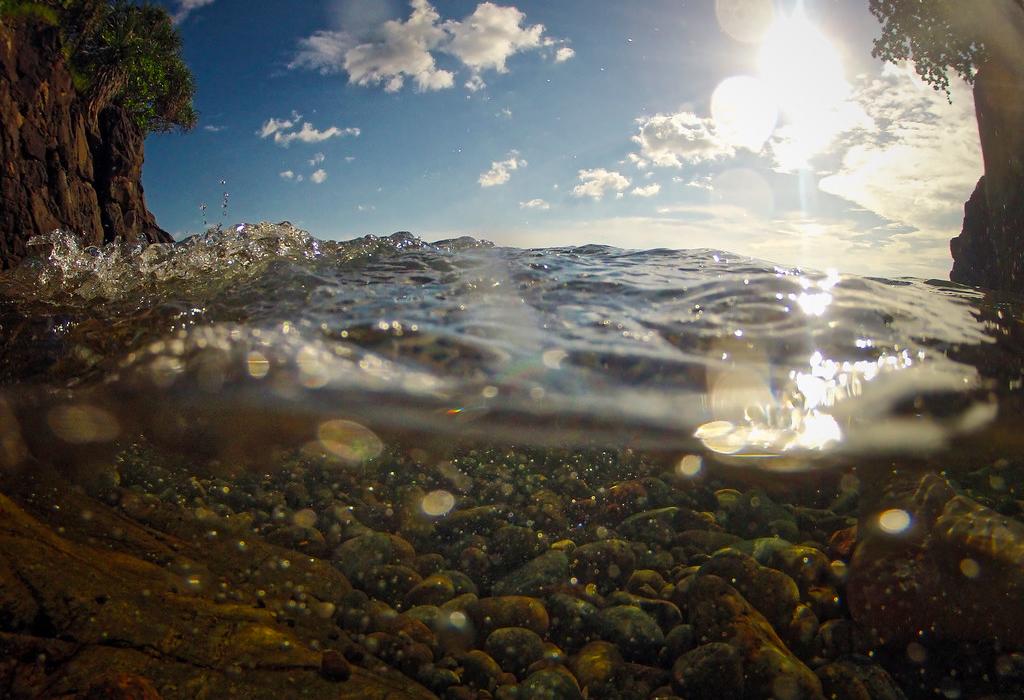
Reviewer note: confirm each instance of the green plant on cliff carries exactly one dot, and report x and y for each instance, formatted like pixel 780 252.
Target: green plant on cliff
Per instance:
pixel 940 36
pixel 122 53
pixel 22 8
pixel 133 58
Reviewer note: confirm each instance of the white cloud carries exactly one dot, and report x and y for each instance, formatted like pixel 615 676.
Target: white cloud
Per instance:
pixel 501 171
pixel 287 175
pixel 486 39
pixel 318 177
pixel 284 134
pixel 670 140
pixel 538 204
pixel 317 159
pixel 396 51
pixel 323 52
pixel 402 51
pixel 213 128
pixel 595 183
pixel 648 191
pixel 185 7
pixel 272 126
pixel 349 159
pixel 912 159
pixel 563 54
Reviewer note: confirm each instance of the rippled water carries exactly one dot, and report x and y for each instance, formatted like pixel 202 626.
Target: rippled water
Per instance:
pixel 261 336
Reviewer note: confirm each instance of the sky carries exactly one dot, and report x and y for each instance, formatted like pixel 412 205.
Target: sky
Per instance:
pixel 759 127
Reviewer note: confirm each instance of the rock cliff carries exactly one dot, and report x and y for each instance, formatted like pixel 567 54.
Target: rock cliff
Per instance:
pixel 59 170
pixel 990 250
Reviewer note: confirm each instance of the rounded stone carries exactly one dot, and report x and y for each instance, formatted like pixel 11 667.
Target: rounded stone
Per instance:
pixel 480 671
pixel 710 672
pixel 598 667
pixel 632 630
pixel 435 589
pixel 607 564
pixel 489 614
pixel 551 684
pixel 390 583
pixel 514 648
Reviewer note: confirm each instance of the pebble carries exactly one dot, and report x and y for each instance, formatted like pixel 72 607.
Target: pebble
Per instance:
pixel 608 564
pixel 536 578
pixel 636 634
pixel 514 648
pixel 480 671
pixel 713 671
pixel 551 684
pixel 435 589
pixel 598 667
pixel 489 614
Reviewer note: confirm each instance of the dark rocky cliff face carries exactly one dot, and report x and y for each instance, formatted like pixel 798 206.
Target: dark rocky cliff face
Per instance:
pixel 58 170
pixel 990 250
pixel 974 256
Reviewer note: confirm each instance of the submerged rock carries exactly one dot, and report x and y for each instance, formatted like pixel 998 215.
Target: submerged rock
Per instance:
pixel 69 600
pixel 951 565
pixel 719 613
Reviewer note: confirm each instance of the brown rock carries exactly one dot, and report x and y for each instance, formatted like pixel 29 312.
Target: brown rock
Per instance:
pixel 719 613
pixel 334 666
pixel 60 170
pixel 122 686
pixel 489 614
pixel 957 570
pixel 72 599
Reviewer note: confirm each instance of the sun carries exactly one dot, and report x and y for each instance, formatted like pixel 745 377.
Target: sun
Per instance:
pixel 802 68
pixel 798 98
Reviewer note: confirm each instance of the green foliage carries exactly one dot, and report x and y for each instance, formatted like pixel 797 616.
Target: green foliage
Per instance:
pixel 122 53
pixel 133 58
pixel 15 9
pixel 939 36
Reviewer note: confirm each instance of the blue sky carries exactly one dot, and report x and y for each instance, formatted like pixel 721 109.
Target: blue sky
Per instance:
pixel 762 127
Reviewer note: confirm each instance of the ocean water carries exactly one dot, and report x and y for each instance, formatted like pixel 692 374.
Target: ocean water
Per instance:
pixel 659 349
pixel 494 409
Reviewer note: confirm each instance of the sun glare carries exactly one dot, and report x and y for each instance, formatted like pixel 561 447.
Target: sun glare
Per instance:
pixel 798 98
pixel 802 67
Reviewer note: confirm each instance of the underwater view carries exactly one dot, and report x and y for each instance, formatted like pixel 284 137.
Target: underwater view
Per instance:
pixel 718 428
